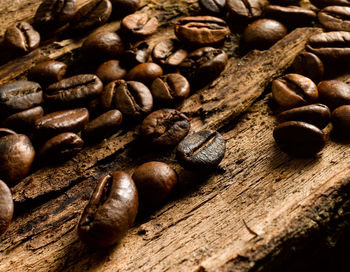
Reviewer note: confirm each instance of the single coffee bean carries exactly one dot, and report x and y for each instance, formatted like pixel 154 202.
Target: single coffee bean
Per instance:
pixel 110 70
pixel 48 72
pixel 22 37
pixel 6 207
pixel 145 72
pixel 309 65
pixel 16 157
pixel 6 131
pixel 294 90
pixel 139 25
pixel 24 121
pixel 170 87
pixel 169 53
pixel 107 96
pixel 124 7
pixel 93 14
pixel 136 54
pixel 103 126
pixel 110 212
pixel 244 10
pixel 154 181
pixel 341 121
pixel 202 150
pixel 315 114
pixel 335 18
pixel 334 93
pixel 299 139
pixel 213 6
pixel 201 30
pixel 20 95
pixel 263 33
pixel 74 90
pixel 165 127
pixel 326 3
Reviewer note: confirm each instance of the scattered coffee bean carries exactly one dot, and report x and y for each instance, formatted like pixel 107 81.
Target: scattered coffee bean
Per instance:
pixel 24 121
pixel 22 37
pixel 213 6
pixel 107 96
pixel 244 9
pixel 136 54
pixel 6 207
pixel 6 131
pixel 335 18
pixel 110 212
pixel 48 72
pixel 334 93
pixel 110 70
pixel 309 65
pixel 201 150
pixel 341 121
pixel 139 25
pixel 326 3
pixel 169 53
pixel 145 72
pixel 291 15
pixel 124 7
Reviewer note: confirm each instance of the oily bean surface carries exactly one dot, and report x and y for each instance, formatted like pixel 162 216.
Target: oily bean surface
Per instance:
pixel 139 25
pixel 125 7
pixel 213 6
pixel 169 53
pixel 22 37
pixel 145 72
pixel 341 121
pixel 111 70
pixel 334 93
pixel 24 121
pixel 335 18
pixel 48 72
pixel 309 65
pixel 244 9
pixel 290 15
pixel 6 131
pixel 6 207
pixel 326 3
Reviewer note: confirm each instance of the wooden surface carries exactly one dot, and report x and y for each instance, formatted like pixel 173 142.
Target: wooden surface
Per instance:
pixel 251 214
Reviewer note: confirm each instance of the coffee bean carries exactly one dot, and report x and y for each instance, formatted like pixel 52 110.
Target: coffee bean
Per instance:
pixel 299 139
pixel 6 207
pixel 48 72
pixel 169 53
pixel 309 65
pixel 107 96
pixel 201 30
pixel 213 6
pixel 285 2
pixel 139 25
pixel 124 7
pixel 22 37
pixel 263 33
pixel 20 95
pixel 6 131
pixel 201 150
pixel 291 15
pixel 136 54
pixel 244 9
pixel 341 121
pixel 165 127
pixel 110 70
pixel 315 114
pixel 334 93
pixel 154 181
pixel 145 72
pixel 74 90
pixel 16 157
pixel 103 126
pixel 23 121
pixel 110 212
pixel 293 90
pixel 335 18
pixel 326 3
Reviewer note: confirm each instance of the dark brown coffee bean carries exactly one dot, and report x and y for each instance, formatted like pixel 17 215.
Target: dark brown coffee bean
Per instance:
pixel 244 9
pixel 291 15
pixel 165 127
pixel 20 95
pixel 169 53
pixel 202 150
pixel 341 121
pixel 170 87
pixel 154 181
pixel 110 212
pixel 103 126
pixel 326 3
pixel 309 65
pixel 335 18
pixel 74 90
pixel 23 121
pixel 213 6
pixel 6 207
pixel 201 30
pixel 6 131
pixel 294 90
pixel 139 25
pixel 285 2
pixel 107 96
pixel 93 14
pixel 315 114
pixel 334 93
pixel 110 70
pixel 48 72
pixel 145 72
pixel 299 139
pixel 22 37
pixel 263 33
pixel 16 157
pixel 136 54
pixel 124 7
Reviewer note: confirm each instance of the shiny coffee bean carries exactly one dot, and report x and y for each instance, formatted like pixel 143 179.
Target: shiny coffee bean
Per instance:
pixel 110 70
pixel 335 18
pixel 22 37
pixel 334 93
pixel 290 15
pixel 110 212
pixel 6 131
pixel 294 90
pixel 16 157
pixel 6 207
pixel 263 33
pixel 326 3
pixel 20 95
pixel 124 7
pixel 136 54
pixel 154 181
pixel 103 126
pixel 165 127
pixel 145 72
pixel 244 9
pixel 139 25
pixel 309 65
pixel 213 6
pixel 315 114
pixel 24 121
pixel 202 150
pixel 341 121
pixel 299 139
pixel 169 53
pixel 107 96
pixel 48 72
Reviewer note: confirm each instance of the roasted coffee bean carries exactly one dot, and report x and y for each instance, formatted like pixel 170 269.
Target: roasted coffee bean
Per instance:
pixel 285 2
pixel 335 18
pixel 326 3
pixel 145 72
pixel 170 87
pixel 48 72
pixel 22 37
pixel 294 90
pixel 202 150
pixel 165 127
pixel 263 33
pixel 154 181
pixel 6 207
pixel 16 157
pixel 334 93
pixel 74 90
pixel 20 95
pixel 136 54
pixel 23 121
pixel 309 65
pixel 107 96
pixel 213 6
pixel 201 30
pixel 93 14
pixel 315 114
pixel 169 53
pixel 6 131
pixel 299 139
pixel 139 25
pixel 103 126
pixel 110 212
pixel 244 9
pixel 110 70
pixel 341 121
pixel 291 15
pixel 124 7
